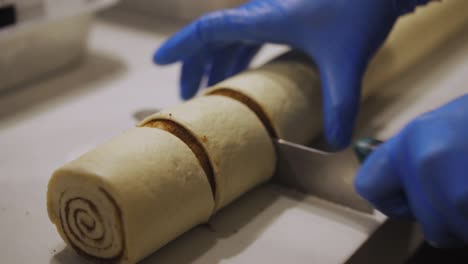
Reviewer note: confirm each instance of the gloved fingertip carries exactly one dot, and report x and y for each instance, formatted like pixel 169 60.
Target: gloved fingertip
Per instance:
pixel 218 74
pixel 192 73
pixel 212 80
pixel 379 184
pixel 186 95
pixel 189 84
pixel 181 45
pixel 364 183
pixel 230 61
pixel 159 58
pixel 341 93
pixel 188 90
pixel 246 55
pixel 338 134
pixel 162 56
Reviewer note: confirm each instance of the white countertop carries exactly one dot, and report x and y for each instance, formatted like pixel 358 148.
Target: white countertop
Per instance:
pixel 53 120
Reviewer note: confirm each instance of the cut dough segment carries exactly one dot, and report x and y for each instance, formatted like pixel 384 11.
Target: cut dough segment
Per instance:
pixel 128 197
pixel 238 145
pixel 192 142
pixel 254 106
pixel 288 92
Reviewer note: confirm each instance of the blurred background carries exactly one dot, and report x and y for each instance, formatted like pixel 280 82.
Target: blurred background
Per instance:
pixel 40 36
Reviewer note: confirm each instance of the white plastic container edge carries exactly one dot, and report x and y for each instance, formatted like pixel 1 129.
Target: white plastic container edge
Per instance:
pixel 47 35
pixel 32 12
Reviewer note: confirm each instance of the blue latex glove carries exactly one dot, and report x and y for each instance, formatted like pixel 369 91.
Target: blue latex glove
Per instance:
pixel 339 35
pixel 422 174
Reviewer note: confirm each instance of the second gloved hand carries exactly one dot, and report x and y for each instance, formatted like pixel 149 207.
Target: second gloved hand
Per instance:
pixel 339 35
pixel 422 174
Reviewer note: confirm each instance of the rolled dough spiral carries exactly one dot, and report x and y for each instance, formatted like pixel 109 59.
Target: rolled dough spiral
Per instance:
pixel 130 196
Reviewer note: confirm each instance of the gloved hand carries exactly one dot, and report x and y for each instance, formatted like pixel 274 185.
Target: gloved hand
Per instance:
pixel 339 35
pixel 422 173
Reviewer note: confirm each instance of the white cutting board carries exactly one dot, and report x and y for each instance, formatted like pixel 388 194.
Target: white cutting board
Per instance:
pixel 44 124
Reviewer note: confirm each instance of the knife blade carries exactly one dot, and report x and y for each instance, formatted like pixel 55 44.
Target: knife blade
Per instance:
pixel 327 175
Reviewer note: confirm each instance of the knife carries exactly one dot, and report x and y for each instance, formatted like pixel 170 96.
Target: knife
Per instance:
pixel 327 175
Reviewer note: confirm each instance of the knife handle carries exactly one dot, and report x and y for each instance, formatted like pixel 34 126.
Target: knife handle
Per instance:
pixel 365 146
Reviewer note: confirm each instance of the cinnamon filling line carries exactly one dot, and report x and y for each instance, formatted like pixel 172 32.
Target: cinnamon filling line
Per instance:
pixel 251 104
pixel 192 142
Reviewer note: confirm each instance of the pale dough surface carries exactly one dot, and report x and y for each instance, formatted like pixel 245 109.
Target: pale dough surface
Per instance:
pixel 239 147
pixel 288 91
pixel 414 37
pixel 156 190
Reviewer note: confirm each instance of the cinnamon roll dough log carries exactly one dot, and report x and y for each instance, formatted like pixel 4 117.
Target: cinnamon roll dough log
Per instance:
pixel 127 198
pixel 238 146
pixel 285 91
